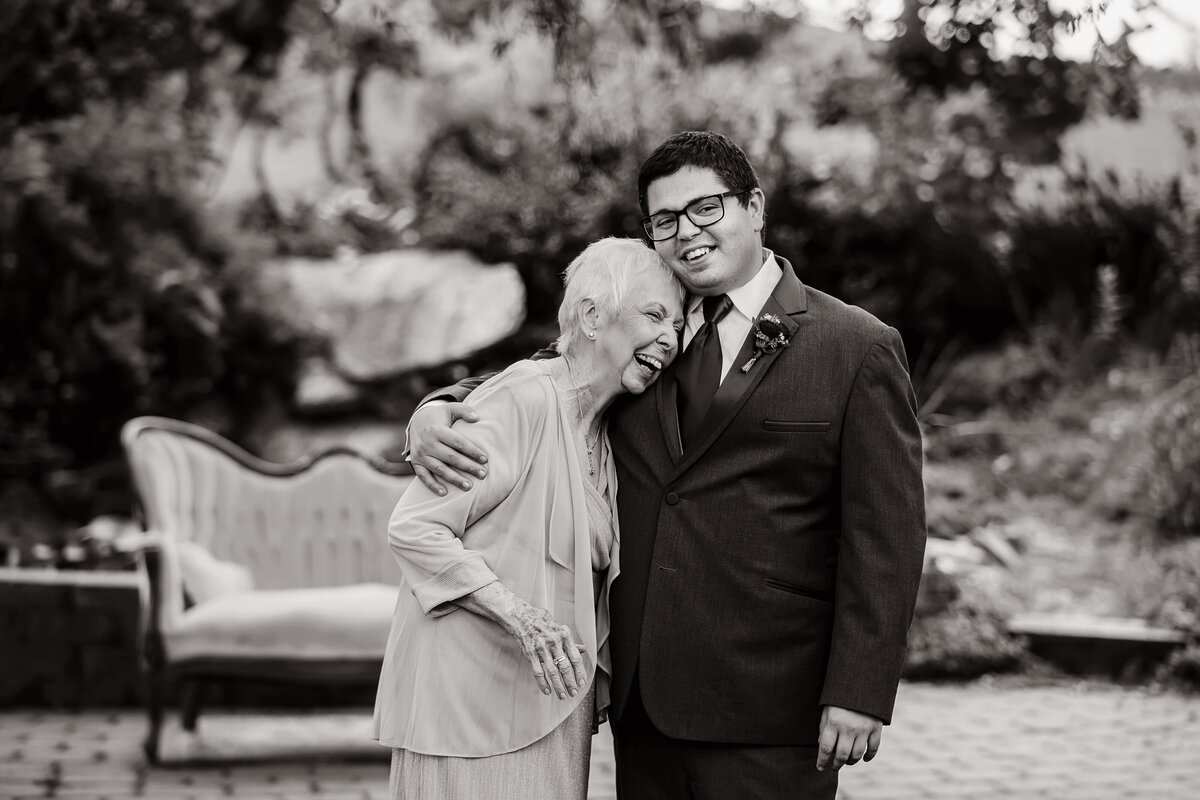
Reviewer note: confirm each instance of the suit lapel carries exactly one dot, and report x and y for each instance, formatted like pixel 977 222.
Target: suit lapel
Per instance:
pixel 787 302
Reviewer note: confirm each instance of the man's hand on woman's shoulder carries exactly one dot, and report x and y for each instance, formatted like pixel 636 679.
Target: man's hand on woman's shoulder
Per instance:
pixel 439 454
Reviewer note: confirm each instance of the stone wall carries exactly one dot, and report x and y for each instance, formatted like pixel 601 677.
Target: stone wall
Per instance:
pixel 68 639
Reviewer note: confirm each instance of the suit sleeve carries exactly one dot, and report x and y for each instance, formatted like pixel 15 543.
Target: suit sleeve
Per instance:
pixel 882 544
pixel 459 391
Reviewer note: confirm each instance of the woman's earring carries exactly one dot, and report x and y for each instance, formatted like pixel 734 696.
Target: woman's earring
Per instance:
pixel 591 334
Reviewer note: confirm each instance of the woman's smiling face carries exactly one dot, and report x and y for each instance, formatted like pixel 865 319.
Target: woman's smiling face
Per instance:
pixel 642 339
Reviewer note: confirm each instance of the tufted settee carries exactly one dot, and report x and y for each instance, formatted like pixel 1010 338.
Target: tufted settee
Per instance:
pixel 257 570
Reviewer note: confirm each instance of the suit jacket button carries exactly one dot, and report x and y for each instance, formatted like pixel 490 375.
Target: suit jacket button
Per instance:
pixel 672 498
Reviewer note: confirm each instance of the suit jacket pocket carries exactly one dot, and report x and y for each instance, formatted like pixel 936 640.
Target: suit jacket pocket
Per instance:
pixel 784 426
pixel 803 591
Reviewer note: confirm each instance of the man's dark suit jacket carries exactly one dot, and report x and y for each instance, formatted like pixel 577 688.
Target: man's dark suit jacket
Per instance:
pixel 772 568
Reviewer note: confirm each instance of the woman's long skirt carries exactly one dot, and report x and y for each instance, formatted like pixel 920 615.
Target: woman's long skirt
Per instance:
pixel 554 767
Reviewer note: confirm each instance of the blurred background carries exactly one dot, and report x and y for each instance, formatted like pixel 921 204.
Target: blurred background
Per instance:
pixel 287 220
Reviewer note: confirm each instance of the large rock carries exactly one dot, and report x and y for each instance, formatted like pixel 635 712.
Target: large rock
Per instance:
pixel 321 391
pixel 286 442
pixel 389 313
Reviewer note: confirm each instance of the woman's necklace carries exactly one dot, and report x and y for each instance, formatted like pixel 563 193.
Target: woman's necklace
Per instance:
pixel 590 447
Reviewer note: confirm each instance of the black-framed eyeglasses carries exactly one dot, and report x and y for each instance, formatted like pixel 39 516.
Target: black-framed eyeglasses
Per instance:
pixel 703 212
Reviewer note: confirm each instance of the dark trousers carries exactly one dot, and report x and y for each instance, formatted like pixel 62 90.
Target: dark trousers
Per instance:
pixel 652 766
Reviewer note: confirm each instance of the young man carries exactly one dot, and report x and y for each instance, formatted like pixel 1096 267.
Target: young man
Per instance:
pixel 771 506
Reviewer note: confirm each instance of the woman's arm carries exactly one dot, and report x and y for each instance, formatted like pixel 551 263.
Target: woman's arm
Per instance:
pixel 438 454
pixel 553 654
pixel 426 529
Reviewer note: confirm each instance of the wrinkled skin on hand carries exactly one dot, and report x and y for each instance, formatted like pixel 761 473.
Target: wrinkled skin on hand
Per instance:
pixel 554 656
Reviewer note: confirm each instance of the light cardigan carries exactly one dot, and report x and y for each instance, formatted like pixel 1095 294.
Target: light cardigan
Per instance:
pixel 454 683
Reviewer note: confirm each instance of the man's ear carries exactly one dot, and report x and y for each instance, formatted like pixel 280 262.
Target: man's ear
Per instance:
pixel 757 206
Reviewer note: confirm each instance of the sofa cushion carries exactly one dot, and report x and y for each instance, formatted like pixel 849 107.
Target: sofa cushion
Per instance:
pixel 206 578
pixel 338 622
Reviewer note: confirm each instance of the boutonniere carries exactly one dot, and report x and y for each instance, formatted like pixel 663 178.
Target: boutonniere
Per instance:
pixel 769 336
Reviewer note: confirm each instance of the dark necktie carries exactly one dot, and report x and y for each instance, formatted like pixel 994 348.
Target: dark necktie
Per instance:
pixel 699 371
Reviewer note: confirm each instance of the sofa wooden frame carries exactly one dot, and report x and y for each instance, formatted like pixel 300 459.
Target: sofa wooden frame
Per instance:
pixel 160 672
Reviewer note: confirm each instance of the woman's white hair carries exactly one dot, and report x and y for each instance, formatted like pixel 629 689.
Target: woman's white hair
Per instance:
pixel 601 273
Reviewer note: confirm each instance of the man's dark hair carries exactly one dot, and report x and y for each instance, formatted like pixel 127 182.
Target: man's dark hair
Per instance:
pixel 702 149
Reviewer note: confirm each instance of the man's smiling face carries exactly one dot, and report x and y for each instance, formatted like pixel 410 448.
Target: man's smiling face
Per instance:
pixel 717 258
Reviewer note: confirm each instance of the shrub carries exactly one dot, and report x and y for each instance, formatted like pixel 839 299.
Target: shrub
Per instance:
pixel 522 194
pixel 1166 588
pixel 1143 240
pixel 1162 586
pixel 1172 476
pixel 961 642
pixel 1182 667
pixel 115 292
pixel 117 300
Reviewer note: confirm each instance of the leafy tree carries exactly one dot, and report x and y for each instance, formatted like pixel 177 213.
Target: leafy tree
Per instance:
pixel 116 293
pixel 946 45
pixel 965 122
pixel 119 292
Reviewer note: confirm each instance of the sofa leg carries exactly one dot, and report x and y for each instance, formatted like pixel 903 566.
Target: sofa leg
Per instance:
pixel 154 706
pixel 192 696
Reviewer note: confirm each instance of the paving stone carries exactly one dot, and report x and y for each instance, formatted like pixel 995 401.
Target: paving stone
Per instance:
pixel 975 741
pixel 880 793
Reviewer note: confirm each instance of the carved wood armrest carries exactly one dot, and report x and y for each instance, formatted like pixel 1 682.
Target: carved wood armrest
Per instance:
pixel 150 563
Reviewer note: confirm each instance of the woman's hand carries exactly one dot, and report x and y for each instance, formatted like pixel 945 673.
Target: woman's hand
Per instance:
pixel 553 654
pixel 438 453
pixel 555 658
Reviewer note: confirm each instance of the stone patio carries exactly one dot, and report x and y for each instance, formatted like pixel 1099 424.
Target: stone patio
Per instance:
pixel 984 741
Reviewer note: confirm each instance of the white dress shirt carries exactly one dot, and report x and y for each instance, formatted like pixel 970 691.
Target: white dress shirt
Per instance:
pixel 748 300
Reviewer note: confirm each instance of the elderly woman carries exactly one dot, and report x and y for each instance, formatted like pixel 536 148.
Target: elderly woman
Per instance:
pixel 497 663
